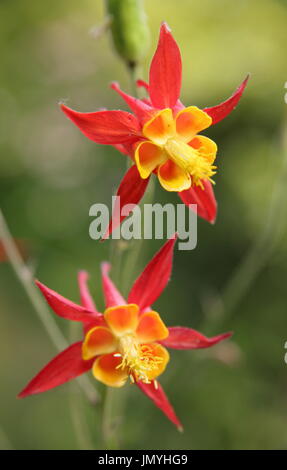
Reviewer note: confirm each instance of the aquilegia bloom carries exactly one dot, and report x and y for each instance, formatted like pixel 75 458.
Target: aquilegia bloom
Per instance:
pixel 162 136
pixel 127 342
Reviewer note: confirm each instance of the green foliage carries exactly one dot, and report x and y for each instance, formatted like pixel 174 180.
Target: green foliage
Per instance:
pixel 50 175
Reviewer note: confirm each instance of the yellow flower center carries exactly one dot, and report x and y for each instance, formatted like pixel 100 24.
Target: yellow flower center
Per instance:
pixel 190 160
pixel 139 360
pixel 174 148
pixel 127 346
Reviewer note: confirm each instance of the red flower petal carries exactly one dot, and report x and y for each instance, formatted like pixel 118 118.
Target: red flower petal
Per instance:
pixel 160 400
pixel 205 200
pixel 177 107
pixel 111 293
pixel 150 284
pixel 142 84
pixel 106 127
pixel 219 112
pixel 130 191
pixel 186 338
pixel 86 298
pixel 64 307
pixel 87 302
pixel 142 110
pixel 122 148
pixel 64 367
pixel 165 71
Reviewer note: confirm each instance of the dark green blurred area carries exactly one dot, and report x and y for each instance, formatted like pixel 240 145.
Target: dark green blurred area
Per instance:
pixel 231 397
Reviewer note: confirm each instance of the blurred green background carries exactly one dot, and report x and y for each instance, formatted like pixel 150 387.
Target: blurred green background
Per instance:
pixel 230 397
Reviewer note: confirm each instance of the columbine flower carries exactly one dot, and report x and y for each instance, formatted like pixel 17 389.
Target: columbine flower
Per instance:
pixel 127 342
pixel 162 136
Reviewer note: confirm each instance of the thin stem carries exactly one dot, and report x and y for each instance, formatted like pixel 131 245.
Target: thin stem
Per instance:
pixel 135 249
pixel 78 415
pixel 26 279
pixel 79 423
pixel 108 420
pixel 122 257
pixel 134 253
pixel 118 249
pixel 134 69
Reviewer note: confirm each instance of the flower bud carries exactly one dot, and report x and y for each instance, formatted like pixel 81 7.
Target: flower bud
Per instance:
pixel 129 29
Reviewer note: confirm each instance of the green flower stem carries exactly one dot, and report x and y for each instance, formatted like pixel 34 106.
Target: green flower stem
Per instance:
pixel 124 257
pixel 133 255
pixel 25 278
pixel 135 72
pixel 110 423
pixel 76 404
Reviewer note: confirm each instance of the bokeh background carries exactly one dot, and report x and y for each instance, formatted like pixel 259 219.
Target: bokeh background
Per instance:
pixel 231 397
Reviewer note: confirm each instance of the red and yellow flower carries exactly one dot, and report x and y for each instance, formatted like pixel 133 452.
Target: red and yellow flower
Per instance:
pixel 162 136
pixel 128 341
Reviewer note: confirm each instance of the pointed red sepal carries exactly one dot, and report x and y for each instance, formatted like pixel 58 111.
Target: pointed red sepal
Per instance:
pixel 159 398
pixel 128 148
pixel 204 198
pixel 112 296
pixel 177 107
pixel 130 191
pixel 64 367
pixel 150 284
pixel 106 127
pixel 86 298
pixel 219 112
pixel 142 84
pixel 187 338
pixel 122 148
pixel 143 111
pixel 165 71
pixel 88 302
pixel 66 308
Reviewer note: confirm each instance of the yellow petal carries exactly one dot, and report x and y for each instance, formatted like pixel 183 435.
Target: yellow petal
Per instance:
pixel 205 146
pixel 151 328
pixel 122 319
pixel 106 370
pixel 190 121
pixel 173 178
pixel 160 359
pixel 160 128
pixel 148 156
pixel 98 340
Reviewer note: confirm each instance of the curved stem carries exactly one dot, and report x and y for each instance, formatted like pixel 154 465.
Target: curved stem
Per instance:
pixel 25 277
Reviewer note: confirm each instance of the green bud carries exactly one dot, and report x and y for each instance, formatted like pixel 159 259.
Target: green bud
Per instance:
pixel 129 29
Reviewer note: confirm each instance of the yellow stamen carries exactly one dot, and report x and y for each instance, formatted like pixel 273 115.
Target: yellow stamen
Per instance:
pixel 139 360
pixel 132 379
pixel 190 160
